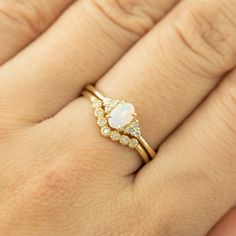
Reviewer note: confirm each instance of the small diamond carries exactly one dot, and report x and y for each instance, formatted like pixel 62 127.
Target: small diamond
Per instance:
pixel 97 103
pixel 108 108
pixel 106 101
pixel 99 112
pixel 106 131
pixel 135 124
pixel 114 102
pixel 133 143
pixel 129 130
pixel 110 104
pixel 102 121
pixel 124 140
pixel 136 133
pixel 115 135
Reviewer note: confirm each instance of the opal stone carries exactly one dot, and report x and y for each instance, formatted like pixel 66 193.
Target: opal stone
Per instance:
pixel 121 115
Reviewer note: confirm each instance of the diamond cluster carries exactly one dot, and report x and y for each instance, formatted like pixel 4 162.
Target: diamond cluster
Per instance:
pixel 109 104
pixel 127 135
pixel 133 129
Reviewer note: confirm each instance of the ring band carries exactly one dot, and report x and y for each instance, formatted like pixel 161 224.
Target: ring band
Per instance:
pixel 118 120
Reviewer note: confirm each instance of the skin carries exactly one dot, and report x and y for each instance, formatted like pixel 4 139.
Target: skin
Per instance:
pixel 175 60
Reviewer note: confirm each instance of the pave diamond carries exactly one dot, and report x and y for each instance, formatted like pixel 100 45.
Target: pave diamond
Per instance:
pixel 121 115
pixel 135 129
pixel 133 143
pixel 99 112
pixel 102 121
pixel 136 133
pixel 106 100
pixel 129 130
pixel 97 103
pixel 115 135
pixel 106 131
pixel 110 104
pixel 124 140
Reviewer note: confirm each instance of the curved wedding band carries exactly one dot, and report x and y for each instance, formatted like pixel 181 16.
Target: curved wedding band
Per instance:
pixel 118 121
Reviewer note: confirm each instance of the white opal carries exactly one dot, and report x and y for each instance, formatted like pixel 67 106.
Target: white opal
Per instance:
pixel 121 115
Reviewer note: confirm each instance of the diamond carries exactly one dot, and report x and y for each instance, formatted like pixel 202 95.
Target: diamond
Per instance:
pixel 115 135
pixel 97 103
pixel 124 140
pixel 108 108
pixel 129 130
pixel 110 104
pixel 136 133
pixel 114 102
pixel 106 131
pixel 102 121
pixel 99 112
pixel 106 101
pixel 133 143
pixel 136 125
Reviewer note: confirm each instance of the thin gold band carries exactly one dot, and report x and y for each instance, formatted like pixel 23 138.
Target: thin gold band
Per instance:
pixel 143 153
pixel 147 147
pixel 93 91
pixel 141 139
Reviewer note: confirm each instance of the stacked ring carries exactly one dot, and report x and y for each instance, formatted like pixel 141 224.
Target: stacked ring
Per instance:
pixel 118 121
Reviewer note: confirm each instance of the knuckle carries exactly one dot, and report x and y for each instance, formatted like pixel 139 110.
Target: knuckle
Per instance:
pixel 43 195
pixel 24 13
pixel 208 29
pixel 131 15
pixel 57 182
pixel 54 187
pixel 58 185
pixel 72 175
pixel 60 182
pixel 54 184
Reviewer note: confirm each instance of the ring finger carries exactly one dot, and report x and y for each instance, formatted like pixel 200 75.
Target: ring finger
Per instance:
pixel 171 70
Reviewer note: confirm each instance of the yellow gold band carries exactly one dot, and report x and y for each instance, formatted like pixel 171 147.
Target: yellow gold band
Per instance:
pixel 107 112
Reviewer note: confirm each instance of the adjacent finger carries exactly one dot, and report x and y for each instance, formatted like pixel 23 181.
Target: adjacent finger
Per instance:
pixel 226 226
pixel 23 21
pixel 78 49
pixel 176 65
pixel 195 175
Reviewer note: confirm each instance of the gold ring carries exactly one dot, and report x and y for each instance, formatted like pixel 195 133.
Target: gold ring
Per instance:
pixel 118 121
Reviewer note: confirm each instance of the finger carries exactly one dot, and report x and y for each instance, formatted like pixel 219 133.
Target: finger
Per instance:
pixel 169 72
pixel 194 177
pixel 157 79
pixel 23 21
pixel 226 227
pixel 84 43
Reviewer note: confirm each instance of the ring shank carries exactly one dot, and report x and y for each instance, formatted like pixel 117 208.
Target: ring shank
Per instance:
pixel 148 148
pixel 93 91
pixel 142 153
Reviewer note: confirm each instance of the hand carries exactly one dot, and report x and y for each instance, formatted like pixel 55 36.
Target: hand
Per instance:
pixel 58 175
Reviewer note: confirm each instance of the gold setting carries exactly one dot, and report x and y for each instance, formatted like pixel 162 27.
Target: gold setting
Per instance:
pixel 129 135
